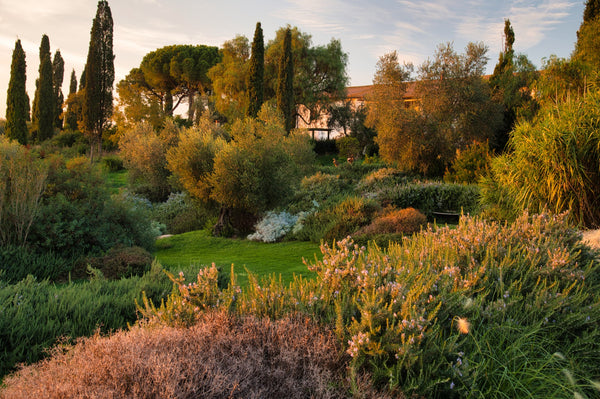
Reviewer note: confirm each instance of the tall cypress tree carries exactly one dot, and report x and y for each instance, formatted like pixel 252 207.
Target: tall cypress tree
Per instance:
pixel 256 86
pixel 591 11
pixel 17 100
pixel 99 77
pixel 43 103
pixel 285 83
pixel 71 114
pixel 58 74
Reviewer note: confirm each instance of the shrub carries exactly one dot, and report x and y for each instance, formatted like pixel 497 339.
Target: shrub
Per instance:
pixel 113 163
pixel 317 190
pixel 339 220
pixel 220 357
pixel 349 147
pixel 380 179
pixel 36 314
pixel 432 197
pixel 405 221
pixel 180 214
pixel 17 262
pixel 322 147
pixel 470 164
pixel 273 226
pixel 483 308
pixel 554 164
pixel 119 262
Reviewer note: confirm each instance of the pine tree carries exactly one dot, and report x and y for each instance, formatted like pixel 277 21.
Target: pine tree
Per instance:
pixel 99 77
pixel 256 86
pixel 43 103
pixel 58 73
pixel 71 114
pixel 17 101
pixel 285 83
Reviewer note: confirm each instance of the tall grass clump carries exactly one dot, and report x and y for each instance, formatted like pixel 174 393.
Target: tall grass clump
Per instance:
pixel 554 164
pixel 482 309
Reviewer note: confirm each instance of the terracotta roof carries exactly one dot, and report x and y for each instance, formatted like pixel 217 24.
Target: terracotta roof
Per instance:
pixel 359 92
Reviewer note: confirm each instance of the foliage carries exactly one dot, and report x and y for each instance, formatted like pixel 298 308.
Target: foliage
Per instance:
pixel 273 226
pixel 22 181
pixel 230 79
pixel 71 117
pixel 17 100
pixel 113 163
pixel 587 45
pixel 554 165
pixel 144 154
pixel 470 164
pixel 511 85
pixel 285 83
pixel 392 221
pixel 18 262
pixel 380 179
pixel 317 190
pixel 58 74
pixel 349 147
pixel 338 220
pixel 430 197
pixel 97 102
pixel 483 308
pixel 119 262
pixel 180 214
pixel 78 217
pixel 256 84
pixel 36 314
pixel 561 79
pixel 42 116
pixel 222 356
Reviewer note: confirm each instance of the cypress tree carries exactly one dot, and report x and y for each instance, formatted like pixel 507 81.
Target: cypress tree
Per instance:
pixel 285 82
pixel 43 103
pixel 257 71
pixel 58 73
pixel 591 11
pixel 71 115
pixel 17 101
pixel 97 104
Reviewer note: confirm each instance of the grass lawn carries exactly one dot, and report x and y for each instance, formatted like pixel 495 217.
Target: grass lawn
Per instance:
pixel 116 180
pixel 199 248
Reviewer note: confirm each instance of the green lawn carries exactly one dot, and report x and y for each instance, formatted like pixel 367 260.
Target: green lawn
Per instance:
pixel 116 180
pixel 199 248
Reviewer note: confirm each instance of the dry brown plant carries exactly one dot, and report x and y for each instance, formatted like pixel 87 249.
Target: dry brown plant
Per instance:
pixel 220 357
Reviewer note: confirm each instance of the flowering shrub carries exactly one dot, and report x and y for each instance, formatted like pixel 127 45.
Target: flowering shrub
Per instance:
pixel 406 221
pixel 479 309
pixel 273 227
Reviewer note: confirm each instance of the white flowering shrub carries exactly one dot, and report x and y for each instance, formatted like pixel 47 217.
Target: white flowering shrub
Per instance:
pixel 273 227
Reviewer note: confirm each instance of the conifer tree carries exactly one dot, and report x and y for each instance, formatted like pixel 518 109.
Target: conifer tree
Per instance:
pixel 591 11
pixel 71 114
pixel 97 104
pixel 256 85
pixel 17 101
pixel 43 103
pixel 58 73
pixel 285 83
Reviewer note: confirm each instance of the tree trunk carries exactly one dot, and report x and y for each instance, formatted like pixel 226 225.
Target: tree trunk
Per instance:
pixel 223 225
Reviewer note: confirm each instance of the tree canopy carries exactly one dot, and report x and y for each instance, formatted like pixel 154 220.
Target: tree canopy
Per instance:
pixel 256 75
pixel 58 74
pixel 44 102
pixel 97 104
pixel 17 101
pixel 285 83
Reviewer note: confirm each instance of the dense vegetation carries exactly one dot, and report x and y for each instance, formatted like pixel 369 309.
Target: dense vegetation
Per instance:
pixel 503 302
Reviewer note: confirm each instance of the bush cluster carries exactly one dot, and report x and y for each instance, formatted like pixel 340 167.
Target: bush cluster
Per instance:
pixel 35 314
pixel 180 214
pixel 119 262
pixel 482 309
pixel 405 221
pixel 273 226
pixel 432 197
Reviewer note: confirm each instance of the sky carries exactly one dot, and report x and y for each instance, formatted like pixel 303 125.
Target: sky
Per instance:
pixel 366 29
